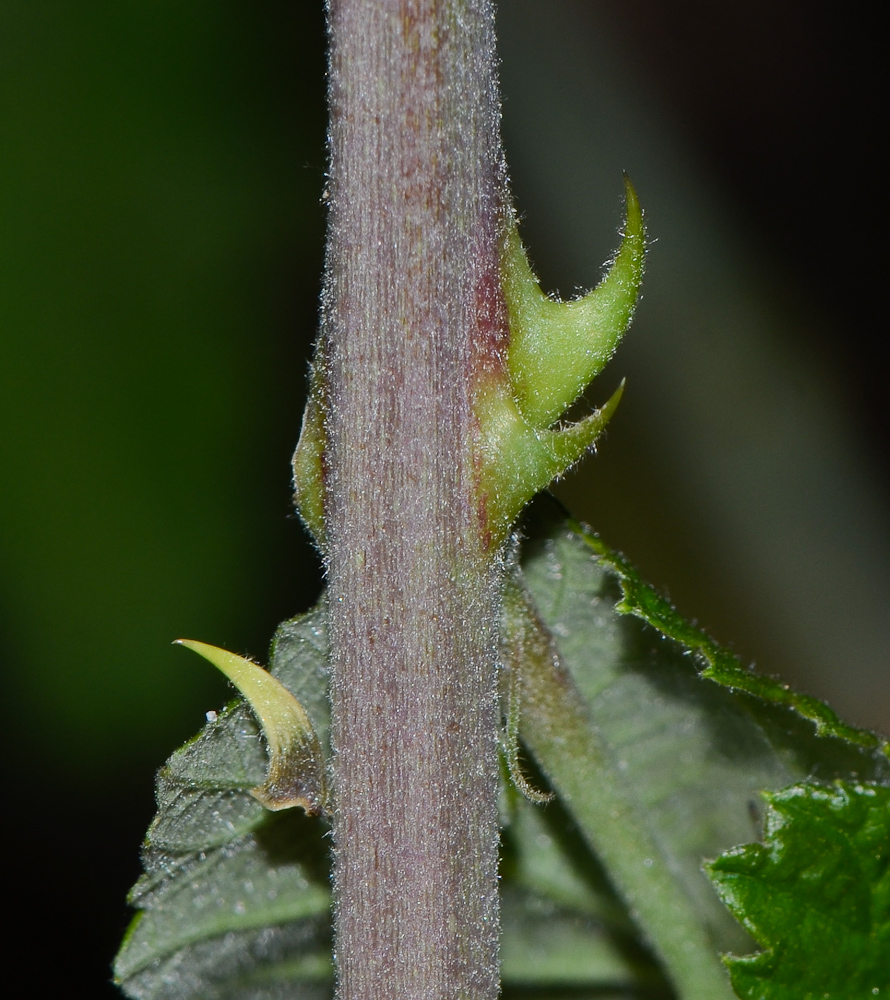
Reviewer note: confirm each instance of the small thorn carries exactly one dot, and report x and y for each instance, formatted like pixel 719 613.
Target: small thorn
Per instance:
pixel 296 775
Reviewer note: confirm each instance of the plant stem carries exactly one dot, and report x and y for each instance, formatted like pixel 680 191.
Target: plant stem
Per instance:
pixel 411 303
pixel 572 752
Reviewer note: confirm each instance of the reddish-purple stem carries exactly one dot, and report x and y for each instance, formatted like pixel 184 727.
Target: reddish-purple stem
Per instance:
pixel 412 312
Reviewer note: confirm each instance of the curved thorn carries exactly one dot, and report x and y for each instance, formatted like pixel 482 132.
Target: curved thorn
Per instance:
pixel 568 444
pixel 521 460
pixel 556 348
pixel 296 775
pixel 308 460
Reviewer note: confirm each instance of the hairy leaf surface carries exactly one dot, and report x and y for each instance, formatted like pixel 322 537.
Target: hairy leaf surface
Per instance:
pixel 234 902
pixel 235 905
pixel 815 895
pixel 657 742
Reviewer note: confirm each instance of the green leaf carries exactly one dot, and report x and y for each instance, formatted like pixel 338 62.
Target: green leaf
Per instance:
pixel 562 924
pixel 551 948
pixel 656 741
pixel 659 756
pixel 815 894
pixel 297 772
pixel 717 663
pixel 234 902
pixel 218 924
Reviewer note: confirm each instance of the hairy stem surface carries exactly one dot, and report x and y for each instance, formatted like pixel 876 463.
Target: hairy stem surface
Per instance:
pixel 411 304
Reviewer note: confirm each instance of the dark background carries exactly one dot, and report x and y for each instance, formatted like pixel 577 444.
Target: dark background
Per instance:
pixel 161 233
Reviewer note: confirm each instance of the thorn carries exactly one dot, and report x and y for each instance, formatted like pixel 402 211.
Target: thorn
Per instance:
pixel 296 775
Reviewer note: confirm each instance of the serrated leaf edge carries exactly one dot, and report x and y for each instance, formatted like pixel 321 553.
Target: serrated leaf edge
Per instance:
pixel 718 663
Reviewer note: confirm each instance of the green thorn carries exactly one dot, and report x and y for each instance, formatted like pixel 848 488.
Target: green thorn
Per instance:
pixel 557 348
pixel 520 460
pixel 296 775
pixel 567 444
pixel 308 460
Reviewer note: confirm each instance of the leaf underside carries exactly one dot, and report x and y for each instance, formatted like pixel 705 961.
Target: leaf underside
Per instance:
pixel 235 902
pixel 683 751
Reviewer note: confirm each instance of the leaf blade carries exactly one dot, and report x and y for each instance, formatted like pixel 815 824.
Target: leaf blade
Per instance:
pixel 815 895
pixel 296 774
pixel 234 902
pixel 689 746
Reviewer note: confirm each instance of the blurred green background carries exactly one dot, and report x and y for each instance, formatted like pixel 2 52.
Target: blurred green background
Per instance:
pixel 161 243
pixel 161 166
